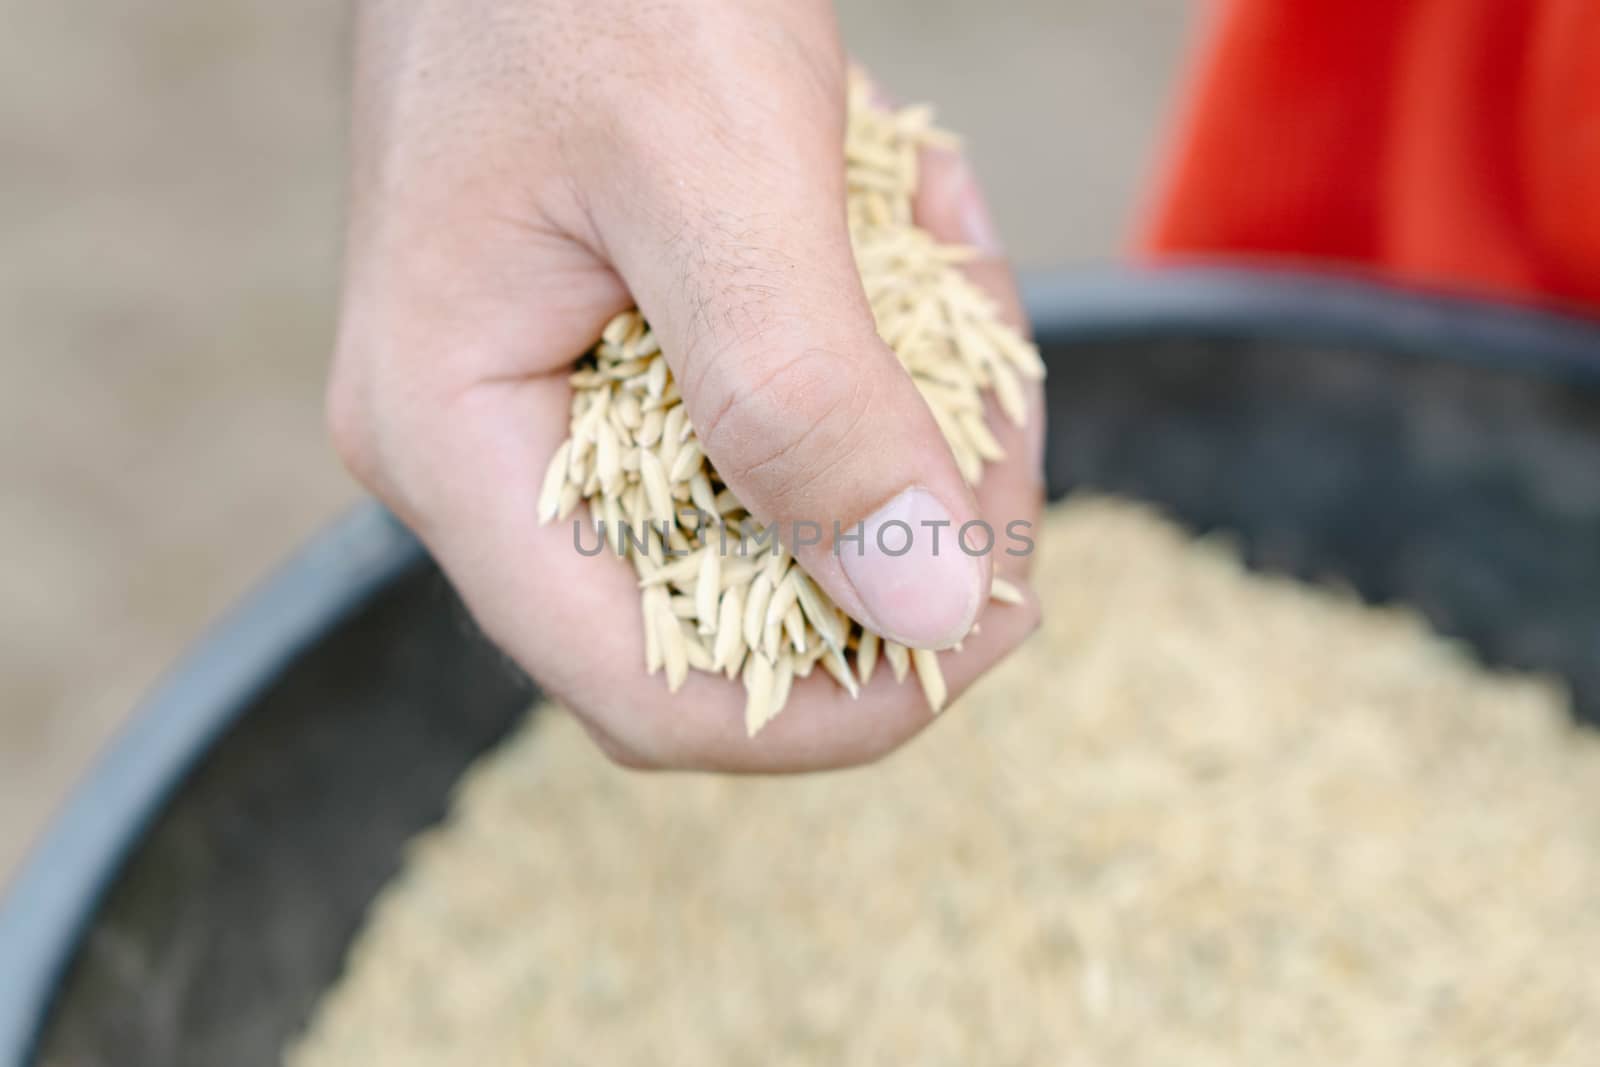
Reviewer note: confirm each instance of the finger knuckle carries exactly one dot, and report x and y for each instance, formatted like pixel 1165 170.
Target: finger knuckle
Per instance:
pixel 796 416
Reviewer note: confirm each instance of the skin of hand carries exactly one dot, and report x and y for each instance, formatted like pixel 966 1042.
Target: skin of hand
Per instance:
pixel 522 171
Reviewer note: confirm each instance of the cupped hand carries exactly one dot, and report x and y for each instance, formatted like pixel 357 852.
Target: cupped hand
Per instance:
pixel 525 169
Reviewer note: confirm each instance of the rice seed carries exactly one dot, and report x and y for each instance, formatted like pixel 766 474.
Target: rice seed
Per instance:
pixel 674 649
pixel 644 567
pixel 784 596
pixel 758 694
pixel 834 663
pixel 978 436
pixel 1008 391
pixel 777 561
pixel 866 655
pixel 608 457
pixel 651 602
pixel 679 570
pixel 819 611
pixel 755 610
pixel 899 658
pixel 613 524
pixel 730 632
pixel 629 410
pixel 708 585
pixel 701 493
pixel 570 498
pixel 931 677
pixel 592 419
pixel 843 624
pixel 1021 353
pixel 617 330
pixel 671 431
pixel 628 413
pixel 1004 592
pixel 649 433
pixel 736 571
pixel 676 539
pixel 686 463
pixel 967 460
pixel 656 379
pixel 624 369
pixel 655 487
pixel 698 655
pixel 794 624
pixel 813 654
pixel 956 435
pixel 580 462
pixel 952 397
pixel 633 506
pixel 555 479
pixel 782 682
pixel 772 638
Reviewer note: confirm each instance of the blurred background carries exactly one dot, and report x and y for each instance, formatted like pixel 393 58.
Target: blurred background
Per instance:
pixel 169 241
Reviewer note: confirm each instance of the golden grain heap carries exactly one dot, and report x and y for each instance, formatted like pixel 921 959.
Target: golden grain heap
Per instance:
pixel 712 600
pixel 1202 818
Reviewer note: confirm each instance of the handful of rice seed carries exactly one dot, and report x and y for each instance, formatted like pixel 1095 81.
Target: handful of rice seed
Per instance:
pixel 717 595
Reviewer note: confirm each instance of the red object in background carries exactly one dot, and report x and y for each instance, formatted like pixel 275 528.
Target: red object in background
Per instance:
pixel 1452 143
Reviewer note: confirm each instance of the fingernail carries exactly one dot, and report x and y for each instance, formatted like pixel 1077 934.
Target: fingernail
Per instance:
pixel 914 579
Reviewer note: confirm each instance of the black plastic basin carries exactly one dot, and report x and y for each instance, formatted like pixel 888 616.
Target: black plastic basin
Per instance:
pixel 199 891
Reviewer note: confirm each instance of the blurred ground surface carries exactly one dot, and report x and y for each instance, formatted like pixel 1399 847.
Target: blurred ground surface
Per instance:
pixel 168 248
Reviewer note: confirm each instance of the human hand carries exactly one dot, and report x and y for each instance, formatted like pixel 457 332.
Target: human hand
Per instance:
pixel 523 171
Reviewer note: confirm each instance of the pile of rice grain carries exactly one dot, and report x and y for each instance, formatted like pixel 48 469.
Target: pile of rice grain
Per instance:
pixel 1204 817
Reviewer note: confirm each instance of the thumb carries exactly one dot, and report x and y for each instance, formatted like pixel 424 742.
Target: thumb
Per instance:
pixel 803 410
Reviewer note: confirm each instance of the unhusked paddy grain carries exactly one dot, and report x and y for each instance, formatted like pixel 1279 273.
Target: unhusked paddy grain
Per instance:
pixel 633 458
pixel 1202 818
